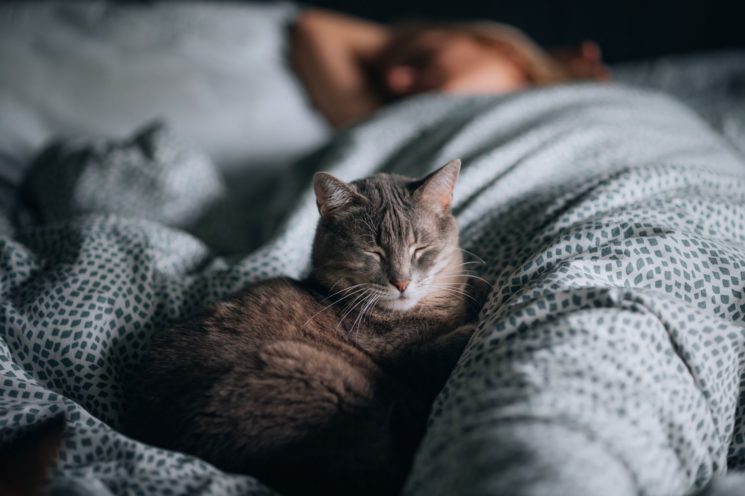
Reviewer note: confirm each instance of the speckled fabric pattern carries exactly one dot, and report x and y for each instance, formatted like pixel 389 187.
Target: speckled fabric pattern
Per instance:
pixel 609 358
pixel 170 182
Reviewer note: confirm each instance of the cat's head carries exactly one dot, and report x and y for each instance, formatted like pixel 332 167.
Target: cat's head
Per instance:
pixel 386 240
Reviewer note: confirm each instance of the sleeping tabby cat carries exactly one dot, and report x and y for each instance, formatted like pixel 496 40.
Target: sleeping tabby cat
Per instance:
pixel 323 385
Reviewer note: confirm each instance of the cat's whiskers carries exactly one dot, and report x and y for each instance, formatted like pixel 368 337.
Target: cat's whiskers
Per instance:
pixel 357 293
pixel 438 276
pixel 453 291
pixel 452 286
pixel 335 302
pixel 342 290
pixel 472 254
pixel 333 286
pixel 460 287
pixel 464 274
pixel 351 306
pixel 367 298
pixel 361 307
pixel 372 299
pixel 471 262
pixel 374 302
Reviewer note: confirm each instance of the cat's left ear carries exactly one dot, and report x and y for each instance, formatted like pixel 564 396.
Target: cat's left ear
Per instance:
pixel 333 196
pixel 437 188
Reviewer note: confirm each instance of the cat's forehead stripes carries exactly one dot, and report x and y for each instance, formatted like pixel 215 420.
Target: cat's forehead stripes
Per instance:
pixel 390 210
pixel 395 229
pixel 382 191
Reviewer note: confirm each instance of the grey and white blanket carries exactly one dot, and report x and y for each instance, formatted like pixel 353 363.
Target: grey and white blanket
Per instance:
pixel 609 359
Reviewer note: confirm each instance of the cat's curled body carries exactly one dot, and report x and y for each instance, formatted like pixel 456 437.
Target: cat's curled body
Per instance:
pixel 323 384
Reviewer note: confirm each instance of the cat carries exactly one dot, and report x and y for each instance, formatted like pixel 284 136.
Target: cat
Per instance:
pixel 323 385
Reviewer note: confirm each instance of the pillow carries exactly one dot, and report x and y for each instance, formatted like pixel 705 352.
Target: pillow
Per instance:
pixel 215 72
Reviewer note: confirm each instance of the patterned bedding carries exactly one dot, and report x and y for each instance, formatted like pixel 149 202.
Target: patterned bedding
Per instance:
pixel 609 359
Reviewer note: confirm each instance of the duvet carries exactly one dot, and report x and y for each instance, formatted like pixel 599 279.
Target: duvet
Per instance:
pixel 609 358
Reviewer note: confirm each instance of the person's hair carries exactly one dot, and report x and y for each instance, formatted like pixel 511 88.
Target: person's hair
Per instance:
pixel 539 67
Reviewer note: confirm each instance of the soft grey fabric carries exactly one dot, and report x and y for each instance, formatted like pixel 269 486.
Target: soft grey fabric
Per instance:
pixel 216 71
pixel 712 84
pixel 610 354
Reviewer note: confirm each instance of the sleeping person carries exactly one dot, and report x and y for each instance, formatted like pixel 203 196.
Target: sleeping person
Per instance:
pixel 351 67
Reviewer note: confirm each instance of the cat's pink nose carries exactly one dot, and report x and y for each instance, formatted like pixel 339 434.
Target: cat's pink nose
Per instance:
pixel 401 284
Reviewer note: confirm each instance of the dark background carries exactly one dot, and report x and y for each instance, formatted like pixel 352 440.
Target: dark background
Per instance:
pixel 625 29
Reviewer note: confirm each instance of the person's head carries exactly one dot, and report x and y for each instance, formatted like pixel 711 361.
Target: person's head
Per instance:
pixel 464 58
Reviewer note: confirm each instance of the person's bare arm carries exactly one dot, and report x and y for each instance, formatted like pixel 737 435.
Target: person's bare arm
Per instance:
pixel 333 55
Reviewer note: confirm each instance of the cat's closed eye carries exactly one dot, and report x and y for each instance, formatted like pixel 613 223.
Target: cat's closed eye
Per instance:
pixel 418 250
pixel 376 253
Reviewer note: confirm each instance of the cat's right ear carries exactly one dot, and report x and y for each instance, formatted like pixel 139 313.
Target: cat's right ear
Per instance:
pixel 333 195
pixel 437 188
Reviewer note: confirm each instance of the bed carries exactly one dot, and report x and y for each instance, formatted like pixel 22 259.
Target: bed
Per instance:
pixel 609 358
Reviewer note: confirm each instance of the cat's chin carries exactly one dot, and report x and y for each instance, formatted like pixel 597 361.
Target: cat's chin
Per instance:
pixel 399 304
